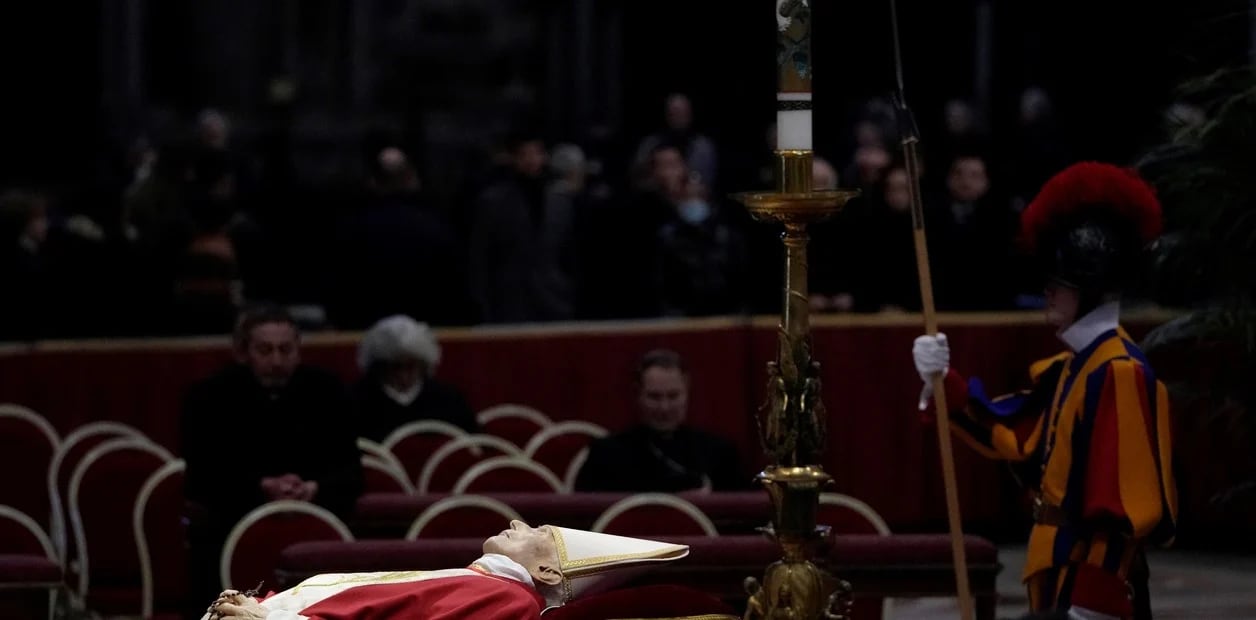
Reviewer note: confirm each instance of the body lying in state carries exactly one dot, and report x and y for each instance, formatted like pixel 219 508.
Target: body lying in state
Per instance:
pixel 523 572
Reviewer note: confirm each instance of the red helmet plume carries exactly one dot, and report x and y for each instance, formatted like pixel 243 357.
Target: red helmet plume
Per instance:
pixel 1091 188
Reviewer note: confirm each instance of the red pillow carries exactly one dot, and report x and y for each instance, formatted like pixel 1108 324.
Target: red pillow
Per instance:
pixel 658 601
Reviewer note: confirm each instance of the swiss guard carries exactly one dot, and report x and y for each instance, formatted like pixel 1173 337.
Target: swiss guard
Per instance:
pixel 1094 426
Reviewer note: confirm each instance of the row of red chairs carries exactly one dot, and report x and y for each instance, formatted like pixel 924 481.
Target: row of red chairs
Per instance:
pixel 253 548
pixel 430 456
pixel 80 498
pixel 79 495
pixel 119 482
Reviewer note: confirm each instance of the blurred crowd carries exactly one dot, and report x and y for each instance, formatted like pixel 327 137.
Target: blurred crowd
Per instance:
pixel 194 226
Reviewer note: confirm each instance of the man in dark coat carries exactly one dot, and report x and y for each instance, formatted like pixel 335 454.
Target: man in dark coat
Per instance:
pixel 662 453
pixel 264 428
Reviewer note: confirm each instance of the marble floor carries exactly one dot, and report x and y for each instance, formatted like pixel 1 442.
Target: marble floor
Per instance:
pixel 1184 585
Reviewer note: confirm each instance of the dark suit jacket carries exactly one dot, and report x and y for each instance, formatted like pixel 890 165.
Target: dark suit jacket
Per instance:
pixel 234 432
pixel 639 460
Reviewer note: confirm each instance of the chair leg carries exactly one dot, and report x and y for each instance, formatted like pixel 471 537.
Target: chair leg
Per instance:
pixel 66 606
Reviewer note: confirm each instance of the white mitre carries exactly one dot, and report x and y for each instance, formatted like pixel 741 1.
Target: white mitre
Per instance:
pixel 592 562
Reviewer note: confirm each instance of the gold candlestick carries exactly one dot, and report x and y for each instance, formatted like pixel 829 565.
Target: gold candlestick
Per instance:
pixel 792 421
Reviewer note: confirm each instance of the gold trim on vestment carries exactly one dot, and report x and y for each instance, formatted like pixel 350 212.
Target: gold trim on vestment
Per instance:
pixel 390 577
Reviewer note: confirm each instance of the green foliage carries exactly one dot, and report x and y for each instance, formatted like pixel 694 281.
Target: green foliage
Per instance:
pixel 1205 175
pixel 1206 178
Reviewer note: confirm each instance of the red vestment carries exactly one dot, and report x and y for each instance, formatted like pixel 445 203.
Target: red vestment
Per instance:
pixel 457 594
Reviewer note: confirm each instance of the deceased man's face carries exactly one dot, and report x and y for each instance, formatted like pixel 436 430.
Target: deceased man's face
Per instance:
pixel 532 547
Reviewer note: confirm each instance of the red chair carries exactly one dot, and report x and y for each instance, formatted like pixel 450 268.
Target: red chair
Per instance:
pixel 75 445
pixel 450 461
pixel 380 453
pixel 512 422
pixel 654 514
pixel 28 567
pixel 556 446
pixel 847 515
pixel 160 537
pixel 414 444
pixel 508 474
pixel 382 477
pixel 252 549
pixel 464 516
pixel 573 469
pixel 102 496
pixel 28 444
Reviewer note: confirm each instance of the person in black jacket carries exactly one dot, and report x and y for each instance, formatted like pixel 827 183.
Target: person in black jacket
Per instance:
pixel 398 357
pixel 662 453
pixel 264 428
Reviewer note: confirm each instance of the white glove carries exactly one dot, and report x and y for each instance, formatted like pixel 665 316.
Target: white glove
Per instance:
pixel 933 357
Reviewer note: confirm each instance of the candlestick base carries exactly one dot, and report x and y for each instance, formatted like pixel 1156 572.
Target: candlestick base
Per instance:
pixel 794 587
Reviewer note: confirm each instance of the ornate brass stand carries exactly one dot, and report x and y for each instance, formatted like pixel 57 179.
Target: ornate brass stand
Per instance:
pixel 792 421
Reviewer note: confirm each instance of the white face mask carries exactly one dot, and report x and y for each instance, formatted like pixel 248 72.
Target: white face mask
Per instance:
pixel 403 397
pixel 695 211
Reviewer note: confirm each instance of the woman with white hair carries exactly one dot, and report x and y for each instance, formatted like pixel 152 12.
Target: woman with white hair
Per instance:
pixel 398 357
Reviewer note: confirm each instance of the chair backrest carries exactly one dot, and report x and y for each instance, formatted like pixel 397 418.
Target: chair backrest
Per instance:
pixel 28 443
pixel 555 446
pixel 379 452
pixel 654 514
pixel 448 463
pixel 383 477
pixel 102 495
pixel 21 535
pixel 30 561
pixel 504 474
pixel 252 548
pixel 573 469
pixel 847 515
pixel 414 443
pixel 73 447
pixel 463 516
pixel 160 538
pixel 513 422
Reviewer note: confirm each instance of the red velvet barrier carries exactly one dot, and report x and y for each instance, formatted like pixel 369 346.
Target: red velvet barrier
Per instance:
pixel 389 515
pixel 878 451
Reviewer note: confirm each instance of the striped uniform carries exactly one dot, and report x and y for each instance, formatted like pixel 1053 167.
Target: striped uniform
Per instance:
pixel 1095 427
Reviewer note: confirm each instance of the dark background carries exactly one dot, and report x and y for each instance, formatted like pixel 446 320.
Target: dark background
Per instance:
pixel 1111 67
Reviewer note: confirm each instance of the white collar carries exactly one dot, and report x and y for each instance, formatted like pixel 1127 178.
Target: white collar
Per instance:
pixel 403 397
pixel 503 566
pixel 1104 318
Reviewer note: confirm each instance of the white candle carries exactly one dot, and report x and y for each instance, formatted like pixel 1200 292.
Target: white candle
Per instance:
pixel 793 97
pixel 793 121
